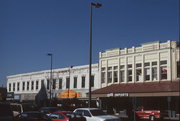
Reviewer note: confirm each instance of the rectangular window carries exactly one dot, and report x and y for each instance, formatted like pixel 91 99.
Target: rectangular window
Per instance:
pixel 178 69
pixel 9 87
pixel 60 83
pixel 154 63
pixel 109 77
pixel 32 85
pixel 103 77
pixel 147 74
pixel 129 75
pixel 37 84
pixel 129 65
pixel 138 74
pixel 67 82
pixel 54 84
pixel 23 86
pixel 27 85
pixel 92 81
pixel 103 69
pixel 154 73
pixel 83 82
pixel 18 84
pixel 146 64
pixel 75 82
pixel 164 72
pixel 115 76
pixel 163 62
pixel 14 85
pixel 138 65
pixel 122 76
pixel 48 84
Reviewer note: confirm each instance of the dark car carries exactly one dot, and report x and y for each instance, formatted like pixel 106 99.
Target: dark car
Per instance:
pixel 48 110
pixel 6 114
pixel 32 116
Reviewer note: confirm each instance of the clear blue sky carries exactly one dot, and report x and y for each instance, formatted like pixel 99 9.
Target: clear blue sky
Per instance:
pixel 31 28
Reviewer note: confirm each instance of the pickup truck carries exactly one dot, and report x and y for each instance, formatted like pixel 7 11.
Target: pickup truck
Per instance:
pixel 147 114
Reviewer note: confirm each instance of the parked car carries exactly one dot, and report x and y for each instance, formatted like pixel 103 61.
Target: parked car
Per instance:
pixel 48 110
pixel 95 114
pixel 6 114
pixel 141 113
pixel 66 116
pixel 16 108
pixel 32 116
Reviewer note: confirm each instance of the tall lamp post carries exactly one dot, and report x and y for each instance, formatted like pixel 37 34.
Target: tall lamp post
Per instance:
pixel 50 82
pixel 95 5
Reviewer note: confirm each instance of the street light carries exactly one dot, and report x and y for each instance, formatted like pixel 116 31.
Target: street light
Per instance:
pixel 96 5
pixel 50 83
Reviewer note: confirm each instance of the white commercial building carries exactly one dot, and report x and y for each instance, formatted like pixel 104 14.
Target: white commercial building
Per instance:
pixel 151 62
pixel 66 82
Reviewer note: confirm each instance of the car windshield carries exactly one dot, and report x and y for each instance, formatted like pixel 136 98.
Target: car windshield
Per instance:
pixel 97 112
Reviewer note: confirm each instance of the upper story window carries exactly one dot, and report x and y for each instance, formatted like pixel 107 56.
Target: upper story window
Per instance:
pixel 109 75
pixel 129 73
pixel 138 72
pixel 122 73
pixel 163 69
pixel 27 85
pixel 23 86
pixel 154 71
pixel 103 74
pixel 14 85
pixel 48 84
pixel 37 85
pixel 18 84
pixel 67 82
pixel 92 81
pixel 32 85
pixel 147 71
pixel 54 84
pixel 60 83
pixel 9 87
pixel 178 69
pixel 75 82
pixel 83 82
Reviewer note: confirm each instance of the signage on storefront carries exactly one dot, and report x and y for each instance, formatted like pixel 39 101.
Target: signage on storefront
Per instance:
pixel 110 95
pixel 121 95
pixel 69 94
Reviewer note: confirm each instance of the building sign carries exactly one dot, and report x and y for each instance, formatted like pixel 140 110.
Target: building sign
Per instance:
pixel 10 95
pixel 121 95
pixel 17 96
pixel 69 94
pixel 110 95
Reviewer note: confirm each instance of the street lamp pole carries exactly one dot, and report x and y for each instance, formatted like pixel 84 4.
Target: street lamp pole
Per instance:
pixel 96 5
pixel 50 82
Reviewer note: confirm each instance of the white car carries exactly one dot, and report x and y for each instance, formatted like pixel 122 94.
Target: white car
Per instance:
pixel 95 114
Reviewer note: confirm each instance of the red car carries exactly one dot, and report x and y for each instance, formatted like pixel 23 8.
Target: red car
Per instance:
pixel 65 116
pixel 147 114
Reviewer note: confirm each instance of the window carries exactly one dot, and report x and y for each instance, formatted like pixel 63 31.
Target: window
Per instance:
pixel 103 77
pixel 86 113
pixel 48 84
pixel 147 74
pixel 122 73
pixel 23 86
pixel 154 71
pixel 27 85
pixel 178 69
pixel 103 69
pixel 60 83
pixel 9 87
pixel 138 72
pixel 115 72
pixel 14 85
pixel 32 85
pixel 18 86
pixel 147 71
pixel 92 81
pixel 67 82
pixel 37 84
pixel 83 82
pixel 54 84
pixel 75 82
pixel 129 73
pixel 163 69
pixel 109 74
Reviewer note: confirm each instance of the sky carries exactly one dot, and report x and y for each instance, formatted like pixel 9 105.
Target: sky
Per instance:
pixel 29 29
